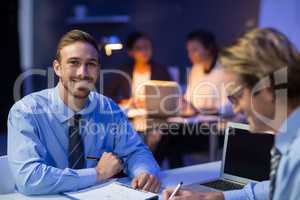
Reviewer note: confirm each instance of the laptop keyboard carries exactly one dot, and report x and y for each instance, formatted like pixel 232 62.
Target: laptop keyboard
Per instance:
pixel 223 185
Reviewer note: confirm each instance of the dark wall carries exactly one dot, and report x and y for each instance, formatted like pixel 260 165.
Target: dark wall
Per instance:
pixel 10 64
pixel 168 22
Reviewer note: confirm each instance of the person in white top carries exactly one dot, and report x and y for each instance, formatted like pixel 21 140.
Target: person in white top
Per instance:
pixel 206 81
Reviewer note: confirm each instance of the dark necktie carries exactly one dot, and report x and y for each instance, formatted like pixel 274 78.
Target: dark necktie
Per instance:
pixel 275 159
pixel 76 150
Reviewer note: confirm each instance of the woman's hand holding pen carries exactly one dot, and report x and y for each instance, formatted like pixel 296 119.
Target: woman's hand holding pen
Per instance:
pixel 190 195
pixel 108 166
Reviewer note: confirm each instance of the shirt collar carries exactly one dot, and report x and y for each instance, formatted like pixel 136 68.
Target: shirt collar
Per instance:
pixel 288 132
pixel 61 110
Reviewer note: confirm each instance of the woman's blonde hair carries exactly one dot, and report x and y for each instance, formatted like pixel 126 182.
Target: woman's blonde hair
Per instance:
pixel 259 53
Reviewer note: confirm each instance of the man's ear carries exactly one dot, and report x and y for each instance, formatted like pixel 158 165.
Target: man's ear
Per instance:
pixel 57 68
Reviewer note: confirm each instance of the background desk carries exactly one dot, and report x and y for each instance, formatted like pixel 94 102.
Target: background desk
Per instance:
pixel 169 178
pixel 180 133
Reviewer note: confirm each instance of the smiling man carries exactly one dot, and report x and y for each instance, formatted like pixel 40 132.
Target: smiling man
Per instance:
pixel 264 68
pixel 52 133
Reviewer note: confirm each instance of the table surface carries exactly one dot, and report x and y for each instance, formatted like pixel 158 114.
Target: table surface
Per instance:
pixel 169 178
pixel 139 112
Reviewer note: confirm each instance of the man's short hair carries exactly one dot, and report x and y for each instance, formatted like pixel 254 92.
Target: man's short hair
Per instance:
pixel 260 53
pixel 75 36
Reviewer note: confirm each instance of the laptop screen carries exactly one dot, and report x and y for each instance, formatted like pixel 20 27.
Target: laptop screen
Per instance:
pixel 248 154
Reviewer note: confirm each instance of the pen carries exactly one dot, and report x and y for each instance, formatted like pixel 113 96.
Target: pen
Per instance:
pixel 176 190
pixel 119 175
pixel 92 158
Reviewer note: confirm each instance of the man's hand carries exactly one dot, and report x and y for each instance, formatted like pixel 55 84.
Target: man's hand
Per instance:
pixel 108 166
pixel 190 195
pixel 146 182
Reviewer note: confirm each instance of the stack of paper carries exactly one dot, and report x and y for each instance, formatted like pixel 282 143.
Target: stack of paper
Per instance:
pixel 113 191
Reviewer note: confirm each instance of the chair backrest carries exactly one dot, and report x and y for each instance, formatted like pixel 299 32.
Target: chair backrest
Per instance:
pixel 7 183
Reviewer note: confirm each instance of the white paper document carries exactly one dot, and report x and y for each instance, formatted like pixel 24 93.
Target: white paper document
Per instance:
pixel 112 191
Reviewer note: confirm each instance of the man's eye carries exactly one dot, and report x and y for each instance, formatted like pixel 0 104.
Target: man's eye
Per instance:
pixel 74 62
pixel 92 64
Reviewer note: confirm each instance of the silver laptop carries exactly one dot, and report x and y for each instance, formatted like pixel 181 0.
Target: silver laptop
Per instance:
pixel 246 158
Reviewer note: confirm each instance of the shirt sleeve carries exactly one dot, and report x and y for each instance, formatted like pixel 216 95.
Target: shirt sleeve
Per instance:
pixel 129 146
pixel 28 160
pixel 288 174
pixel 252 191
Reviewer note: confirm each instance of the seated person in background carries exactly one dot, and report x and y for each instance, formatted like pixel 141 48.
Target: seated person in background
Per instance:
pixel 205 85
pixel 52 132
pixel 265 69
pixel 127 87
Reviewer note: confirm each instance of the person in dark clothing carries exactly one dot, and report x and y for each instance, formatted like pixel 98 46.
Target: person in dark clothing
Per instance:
pixel 124 84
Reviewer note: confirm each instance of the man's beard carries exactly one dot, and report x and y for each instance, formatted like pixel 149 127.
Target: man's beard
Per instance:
pixel 84 91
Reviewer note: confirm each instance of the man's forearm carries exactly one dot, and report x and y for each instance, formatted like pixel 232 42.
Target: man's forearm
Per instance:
pixel 43 179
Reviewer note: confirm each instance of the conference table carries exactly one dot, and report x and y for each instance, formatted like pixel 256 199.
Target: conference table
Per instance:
pixel 169 178
pixel 141 123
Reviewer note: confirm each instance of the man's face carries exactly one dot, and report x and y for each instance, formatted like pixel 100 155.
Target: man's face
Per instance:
pixel 78 68
pixel 141 51
pixel 196 51
pixel 249 103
